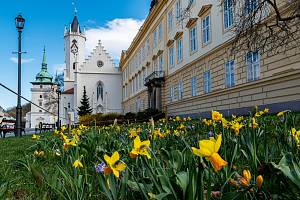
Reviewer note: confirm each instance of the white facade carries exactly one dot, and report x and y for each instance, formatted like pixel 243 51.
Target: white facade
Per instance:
pixel 44 99
pixel 98 74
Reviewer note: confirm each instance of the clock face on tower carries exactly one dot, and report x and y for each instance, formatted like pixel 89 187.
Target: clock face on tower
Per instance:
pixel 74 47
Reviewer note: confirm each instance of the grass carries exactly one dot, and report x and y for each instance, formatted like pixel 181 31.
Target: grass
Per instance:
pixel 16 182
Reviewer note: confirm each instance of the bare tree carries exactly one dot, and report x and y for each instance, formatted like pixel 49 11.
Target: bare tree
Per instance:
pixel 272 26
pixel 51 101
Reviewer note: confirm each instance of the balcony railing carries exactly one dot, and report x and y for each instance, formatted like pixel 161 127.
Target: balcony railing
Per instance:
pixel 155 76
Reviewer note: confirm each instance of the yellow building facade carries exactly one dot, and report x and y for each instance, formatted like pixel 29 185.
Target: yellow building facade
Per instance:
pixel 180 63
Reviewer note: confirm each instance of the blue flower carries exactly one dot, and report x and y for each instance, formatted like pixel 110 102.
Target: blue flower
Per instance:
pixel 100 167
pixel 210 134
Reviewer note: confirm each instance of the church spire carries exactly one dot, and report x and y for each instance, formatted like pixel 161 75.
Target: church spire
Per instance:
pixel 44 63
pixel 75 28
pixel 43 76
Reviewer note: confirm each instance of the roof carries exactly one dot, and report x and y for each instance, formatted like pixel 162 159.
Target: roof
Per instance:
pixel 75 25
pixel 44 76
pixel 69 91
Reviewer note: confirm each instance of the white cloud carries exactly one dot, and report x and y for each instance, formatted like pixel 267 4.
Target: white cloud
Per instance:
pixel 115 36
pixel 59 68
pixel 24 60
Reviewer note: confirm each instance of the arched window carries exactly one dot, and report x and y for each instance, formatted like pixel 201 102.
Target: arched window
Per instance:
pixel 74 65
pixel 100 91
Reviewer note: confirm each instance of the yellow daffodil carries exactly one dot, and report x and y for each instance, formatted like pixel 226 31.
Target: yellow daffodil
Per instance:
pixel 81 127
pixel 180 127
pixel 113 164
pixel 158 133
pixel 140 148
pixel 35 137
pixel 68 143
pixel 56 132
pixel 39 153
pixel 189 119
pixel 280 114
pixel 259 181
pixel 151 195
pixel 63 128
pixel 236 126
pixel 209 149
pixel 254 123
pixel 260 113
pixel 266 110
pixel 296 136
pixel 134 132
pixel 245 180
pixel 216 116
pixel 176 132
pixel 77 164
pixel 207 122
pixel 225 123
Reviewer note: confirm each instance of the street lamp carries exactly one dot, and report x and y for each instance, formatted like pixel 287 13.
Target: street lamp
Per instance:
pixel 58 91
pixel 20 21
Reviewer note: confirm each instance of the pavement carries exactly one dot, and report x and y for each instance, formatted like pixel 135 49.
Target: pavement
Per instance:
pixel 27 132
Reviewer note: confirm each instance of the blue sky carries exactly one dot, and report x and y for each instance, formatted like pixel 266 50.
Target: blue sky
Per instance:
pixel 45 21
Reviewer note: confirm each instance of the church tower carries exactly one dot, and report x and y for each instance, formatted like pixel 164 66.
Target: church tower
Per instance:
pixel 43 95
pixel 74 51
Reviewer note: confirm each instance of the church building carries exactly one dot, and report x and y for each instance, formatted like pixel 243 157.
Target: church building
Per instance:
pixel 44 97
pixel 97 73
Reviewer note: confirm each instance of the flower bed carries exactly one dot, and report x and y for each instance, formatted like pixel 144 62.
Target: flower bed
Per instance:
pixel 250 157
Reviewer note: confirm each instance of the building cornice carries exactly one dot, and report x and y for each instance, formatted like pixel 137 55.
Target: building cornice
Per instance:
pixel 143 30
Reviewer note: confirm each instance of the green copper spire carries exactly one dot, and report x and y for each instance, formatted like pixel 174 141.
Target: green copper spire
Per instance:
pixel 44 63
pixel 43 76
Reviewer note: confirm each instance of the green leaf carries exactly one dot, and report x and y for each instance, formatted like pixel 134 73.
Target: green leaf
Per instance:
pixel 182 179
pixel 289 168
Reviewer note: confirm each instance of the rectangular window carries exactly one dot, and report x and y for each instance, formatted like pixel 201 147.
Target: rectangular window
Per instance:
pixel 40 103
pixel 207 82
pixel 143 52
pixel 171 93
pixel 170 20
pixel 148 47
pixel 230 77
pixel 253 65
pixel 171 57
pixel 206 29
pixel 160 32
pixel 179 50
pixel 194 86
pixel 193 39
pixel 180 90
pixel 144 76
pixel 228 13
pixel 155 39
pixel 250 6
pixel 137 83
pixel 140 81
pixel 178 10
pixel 155 66
pixel 161 62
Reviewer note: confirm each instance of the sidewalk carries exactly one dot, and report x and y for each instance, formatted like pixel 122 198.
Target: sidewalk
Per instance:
pixel 27 132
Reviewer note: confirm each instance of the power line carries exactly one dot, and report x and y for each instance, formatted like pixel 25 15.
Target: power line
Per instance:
pixel 5 87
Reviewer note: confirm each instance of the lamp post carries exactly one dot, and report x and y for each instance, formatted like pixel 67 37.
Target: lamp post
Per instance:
pixel 19 20
pixel 58 92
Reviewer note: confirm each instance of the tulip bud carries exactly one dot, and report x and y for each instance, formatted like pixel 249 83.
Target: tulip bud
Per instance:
pixel 259 181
